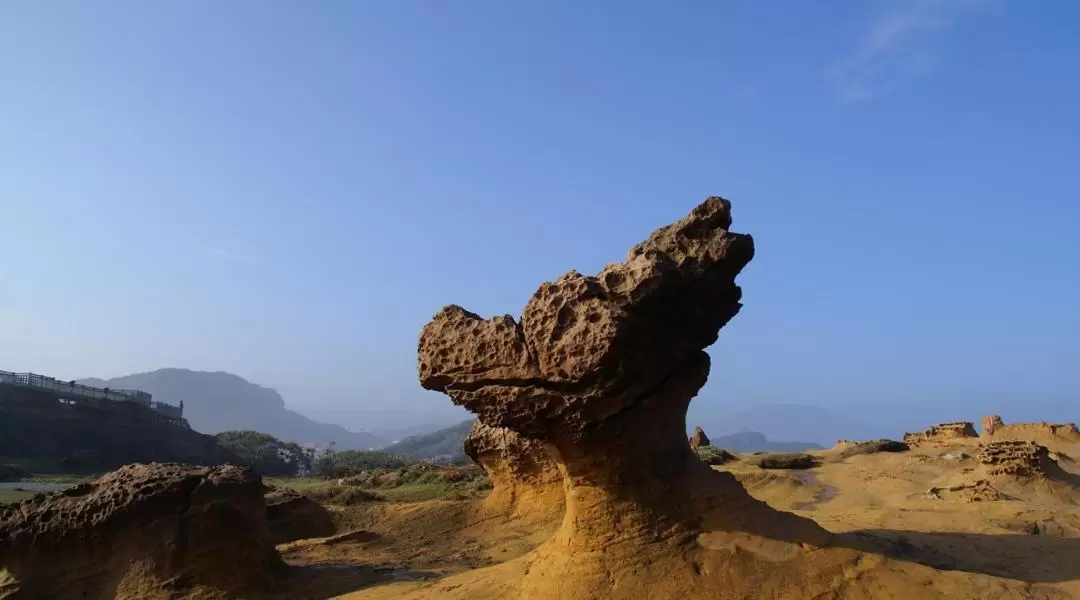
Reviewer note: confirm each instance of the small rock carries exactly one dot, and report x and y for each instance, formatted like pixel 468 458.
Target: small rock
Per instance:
pixel 955 456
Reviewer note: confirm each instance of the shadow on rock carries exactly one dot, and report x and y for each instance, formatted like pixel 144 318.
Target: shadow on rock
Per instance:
pixel 316 582
pixel 1035 557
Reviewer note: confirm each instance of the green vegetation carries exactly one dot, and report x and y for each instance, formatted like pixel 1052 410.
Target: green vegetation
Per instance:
pixel 446 441
pixel 65 479
pixel 339 495
pixel 13 496
pixel 873 447
pixel 414 482
pixel 714 456
pixel 300 484
pixel 265 453
pixel 783 460
pixel 335 465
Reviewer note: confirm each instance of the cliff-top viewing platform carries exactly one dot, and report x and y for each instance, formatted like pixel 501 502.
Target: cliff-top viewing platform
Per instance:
pixel 71 392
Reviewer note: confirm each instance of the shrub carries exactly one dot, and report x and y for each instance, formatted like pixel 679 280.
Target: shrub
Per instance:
pixel 265 453
pixel 340 495
pixel 348 463
pixel 873 447
pixel 786 460
pixel 714 456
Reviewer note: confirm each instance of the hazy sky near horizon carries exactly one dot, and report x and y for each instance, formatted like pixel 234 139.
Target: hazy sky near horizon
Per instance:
pixel 289 191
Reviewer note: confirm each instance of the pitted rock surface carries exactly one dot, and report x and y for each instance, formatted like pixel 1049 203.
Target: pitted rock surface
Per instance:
pixel 1017 458
pixel 139 530
pixel 589 347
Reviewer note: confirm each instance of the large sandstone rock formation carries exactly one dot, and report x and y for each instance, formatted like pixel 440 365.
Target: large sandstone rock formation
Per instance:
pixel 524 478
pixel 142 531
pixel 601 369
pixel 292 516
pixel 944 432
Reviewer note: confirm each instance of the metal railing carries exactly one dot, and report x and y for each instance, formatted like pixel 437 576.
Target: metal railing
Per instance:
pixel 70 388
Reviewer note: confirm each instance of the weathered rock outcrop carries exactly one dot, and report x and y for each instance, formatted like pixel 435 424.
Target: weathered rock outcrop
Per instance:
pixel 292 516
pixel 1016 458
pixel 142 531
pixel 699 439
pixel 995 428
pixel 944 432
pixel 524 478
pixel 601 369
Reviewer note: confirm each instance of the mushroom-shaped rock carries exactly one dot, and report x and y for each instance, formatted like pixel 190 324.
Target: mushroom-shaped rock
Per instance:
pixel 699 438
pixel 524 478
pixel 138 532
pixel 601 369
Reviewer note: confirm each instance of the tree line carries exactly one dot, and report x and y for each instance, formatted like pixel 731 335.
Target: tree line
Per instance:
pixel 270 456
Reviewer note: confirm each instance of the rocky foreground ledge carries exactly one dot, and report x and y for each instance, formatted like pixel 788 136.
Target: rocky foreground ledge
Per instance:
pixel 141 531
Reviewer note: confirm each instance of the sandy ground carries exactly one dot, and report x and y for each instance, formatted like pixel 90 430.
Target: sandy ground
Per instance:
pixel 958 543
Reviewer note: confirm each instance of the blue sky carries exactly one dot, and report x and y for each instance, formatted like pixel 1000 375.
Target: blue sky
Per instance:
pixel 289 192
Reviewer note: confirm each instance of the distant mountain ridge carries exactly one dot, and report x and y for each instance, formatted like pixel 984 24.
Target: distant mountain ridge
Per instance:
pixel 755 441
pixel 446 441
pixel 449 440
pixel 219 401
pixel 808 423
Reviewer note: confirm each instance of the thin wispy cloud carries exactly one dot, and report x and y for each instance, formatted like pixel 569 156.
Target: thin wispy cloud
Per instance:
pixel 895 47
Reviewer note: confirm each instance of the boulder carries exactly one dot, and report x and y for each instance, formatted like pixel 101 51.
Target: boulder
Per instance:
pixel 699 439
pixel 292 516
pixel 145 530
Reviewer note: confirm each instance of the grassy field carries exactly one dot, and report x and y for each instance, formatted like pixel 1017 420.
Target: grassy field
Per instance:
pixel 297 483
pixel 13 496
pixel 430 488
pixel 17 491
pixel 413 491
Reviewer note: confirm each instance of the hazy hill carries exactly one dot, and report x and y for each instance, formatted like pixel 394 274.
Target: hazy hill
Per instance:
pixel 754 441
pixel 218 401
pixel 789 422
pixel 450 439
pixel 443 441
